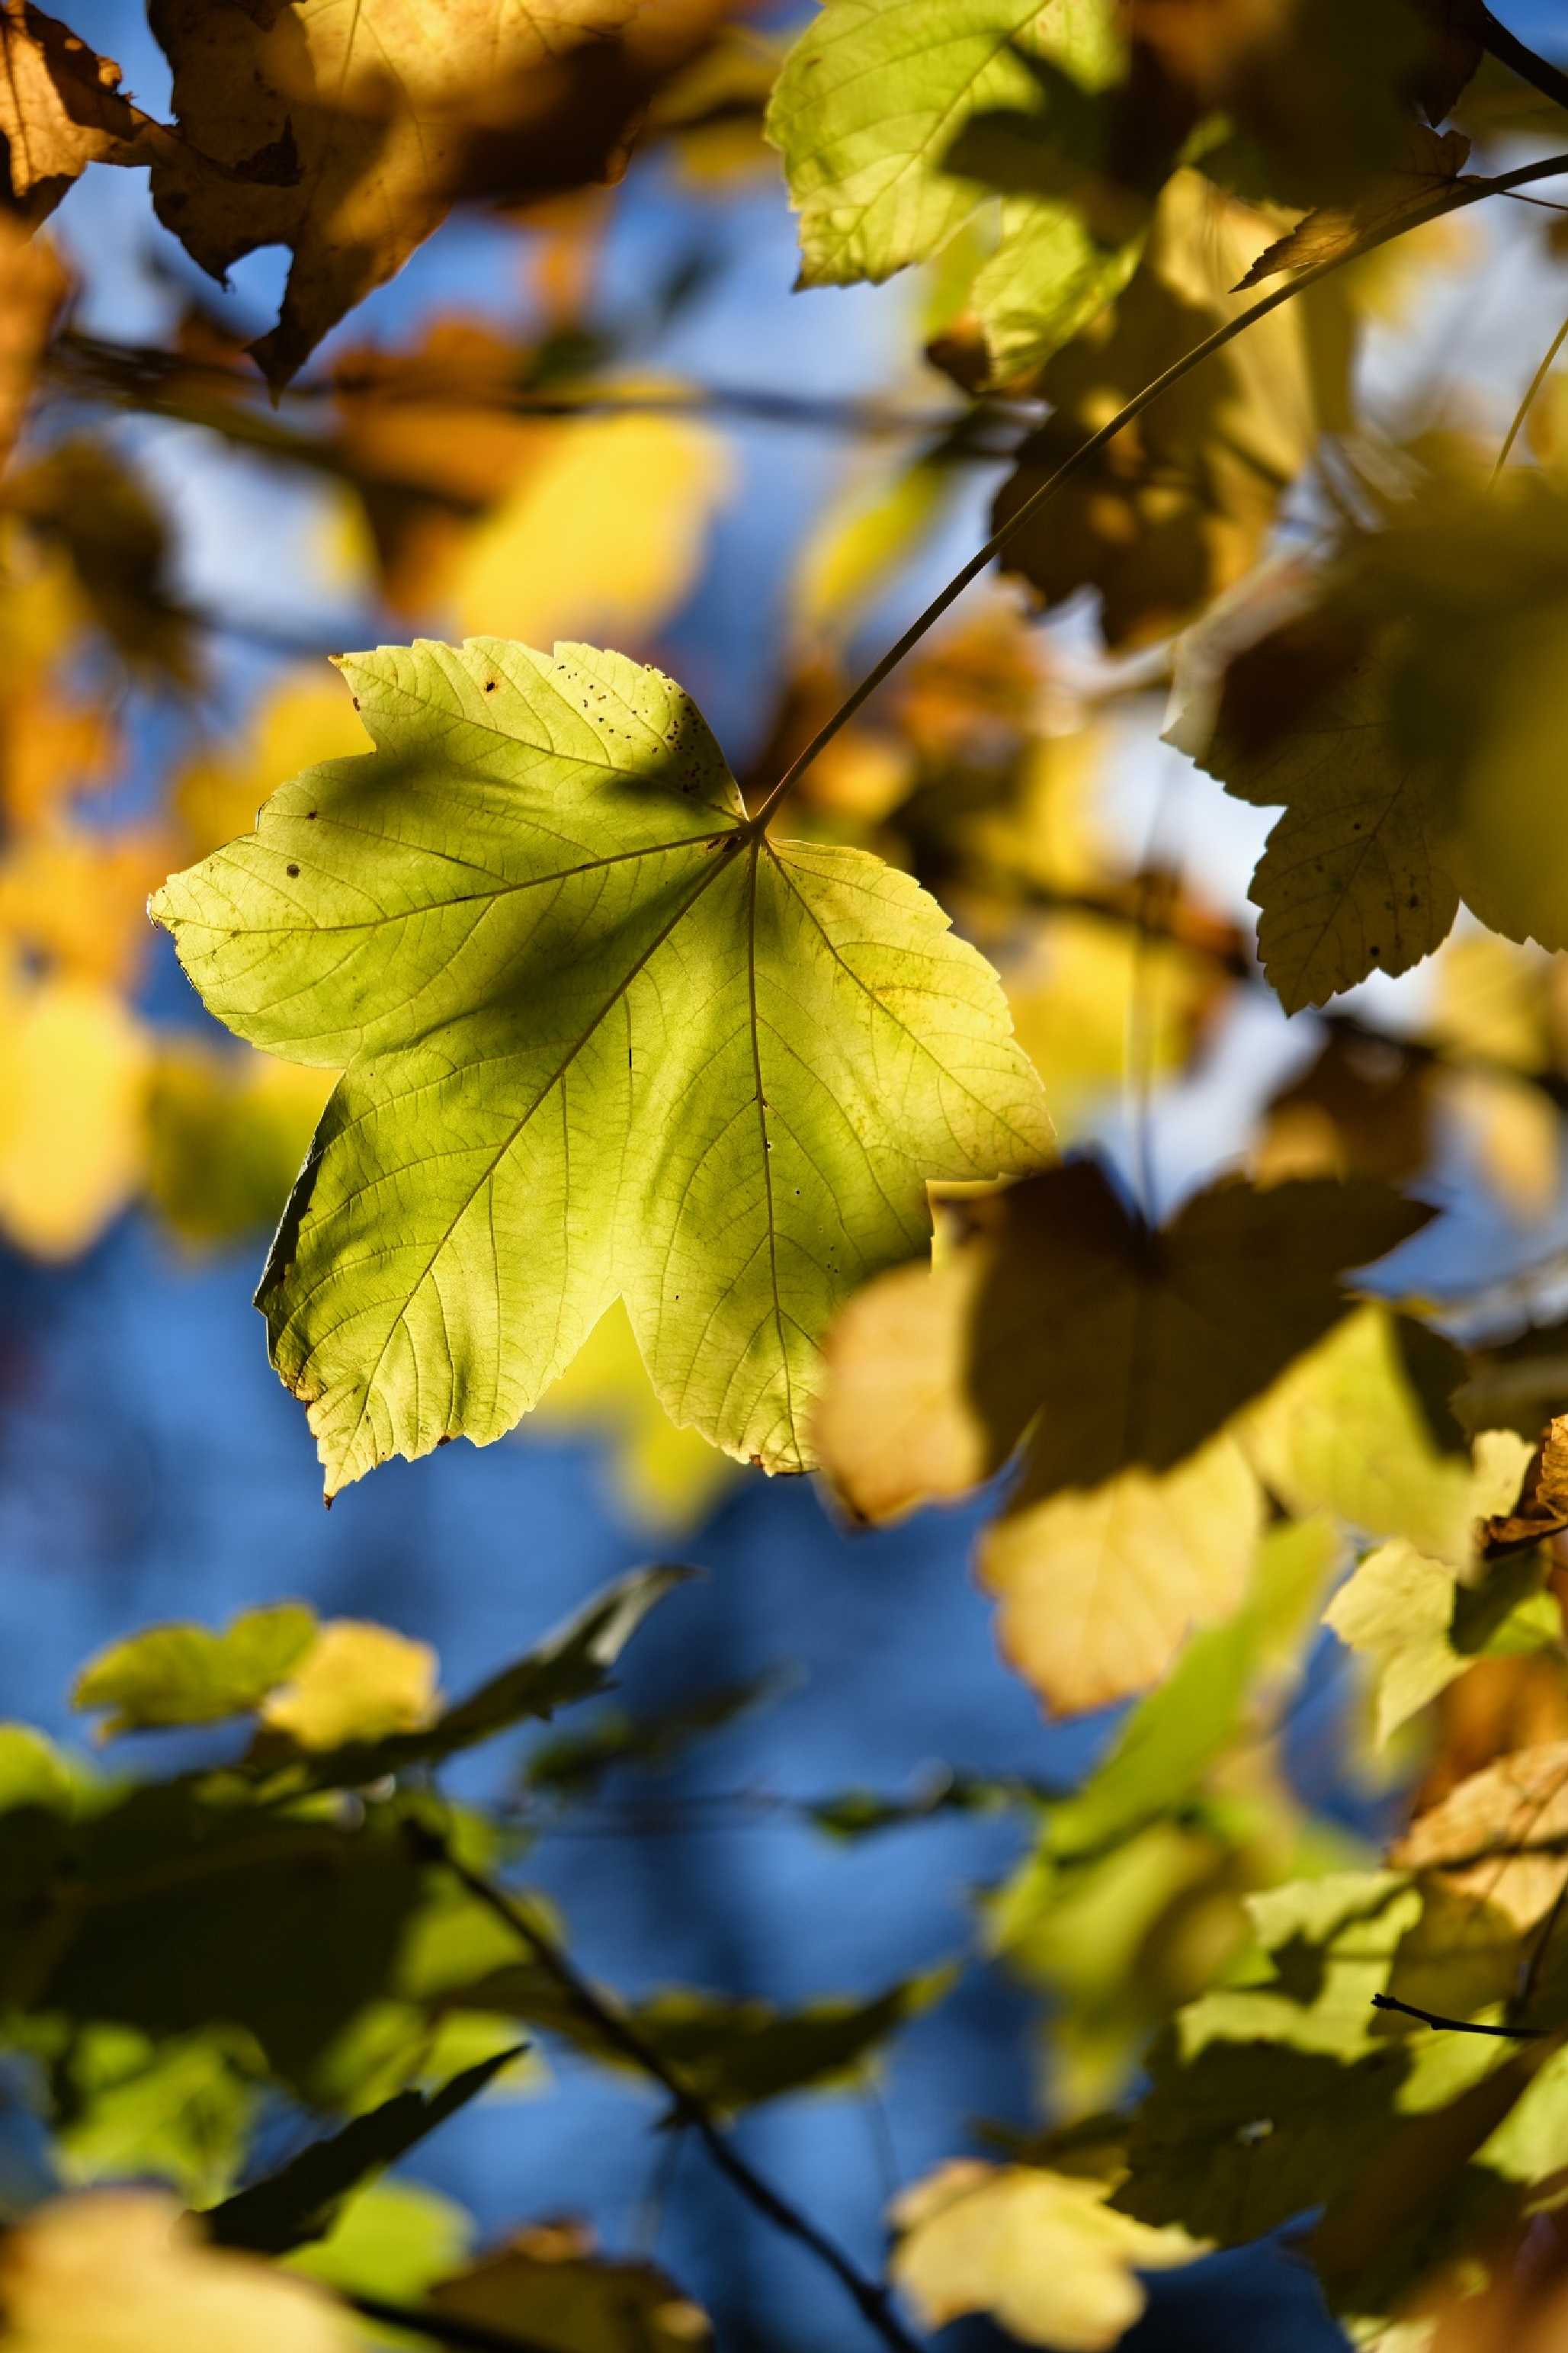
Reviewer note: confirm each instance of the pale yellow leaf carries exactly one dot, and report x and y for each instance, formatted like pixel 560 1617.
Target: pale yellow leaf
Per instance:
pixel 126 2272
pixel 1501 1837
pixel 1360 1426
pixel 1419 1624
pixel 1092 997
pixel 1042 2253
pixel 356 1681
pixel 1099 1590
pixel 73 1066
pixel 76 900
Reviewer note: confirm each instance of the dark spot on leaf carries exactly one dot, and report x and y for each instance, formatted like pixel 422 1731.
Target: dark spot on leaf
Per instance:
pixel 490 686
pixel 291 870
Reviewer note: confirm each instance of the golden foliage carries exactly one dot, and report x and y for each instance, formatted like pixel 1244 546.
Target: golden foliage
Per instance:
pixel 125 2272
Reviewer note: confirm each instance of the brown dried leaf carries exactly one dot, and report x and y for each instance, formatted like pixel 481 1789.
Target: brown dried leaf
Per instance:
pixel 1434 162
pixel 1543 1506
pixel 548 2285
pixel 348 134
pixel 1177 508
pixel 61 109
pixel 1124 1347
pixel 1501 1836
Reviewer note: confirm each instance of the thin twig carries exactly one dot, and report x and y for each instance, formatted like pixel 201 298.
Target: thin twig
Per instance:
pixel 1461 2025
pixel 1528 403
pixel 1453 197
pixel 871 2297
pixel 1510 51
pixel 1538 1951
pixel 146 373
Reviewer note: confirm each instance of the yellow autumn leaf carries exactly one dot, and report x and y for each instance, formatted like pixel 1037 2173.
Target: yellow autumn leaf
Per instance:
pixel 77 900
pixel 1098 1590
pixel 1500 1838
pixel 33 288
pixel 126 2272
pixel 1361 1426
pixel 1494 999
pixel 1043 2252
pixel 601 538
pixel 356 1681
pixel 73 1066
pixel 1091 1001
pixel 1419 1622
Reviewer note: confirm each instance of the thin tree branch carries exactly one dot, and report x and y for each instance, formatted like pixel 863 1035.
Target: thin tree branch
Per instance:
pixel 871 2297
pixel 145 374
pixel 1510 51
pixel 1528 403
pixel 1462 2025
pixel 1538 1951
pixel 1453 197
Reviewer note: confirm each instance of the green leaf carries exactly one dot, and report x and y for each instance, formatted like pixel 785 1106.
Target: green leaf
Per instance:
pixel 578 1761
pixel 301 2201
pixel 571 1665
pixel 164 1910
pixel 1404 720
pixel 853 1814
pixel 732 2054
pixel 1362 1427
pixel 602 1037
pixel 1420 1628
pixel 182 2111
pixel 898 122
pixel 394 2239
pixel 32 1773
pixel 1270 2099
pixel 186 1674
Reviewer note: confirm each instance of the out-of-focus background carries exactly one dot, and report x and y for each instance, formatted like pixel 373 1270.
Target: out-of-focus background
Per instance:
pixel 150 1465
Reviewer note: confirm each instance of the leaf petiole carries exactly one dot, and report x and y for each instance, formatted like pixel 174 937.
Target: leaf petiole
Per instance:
pixel 1451 198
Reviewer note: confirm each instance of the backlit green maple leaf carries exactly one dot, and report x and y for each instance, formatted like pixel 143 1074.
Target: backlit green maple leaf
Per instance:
pixel 599 1035
pixel 898 122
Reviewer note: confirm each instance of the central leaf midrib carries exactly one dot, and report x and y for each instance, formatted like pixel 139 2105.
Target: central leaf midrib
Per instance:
pixel 474 897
